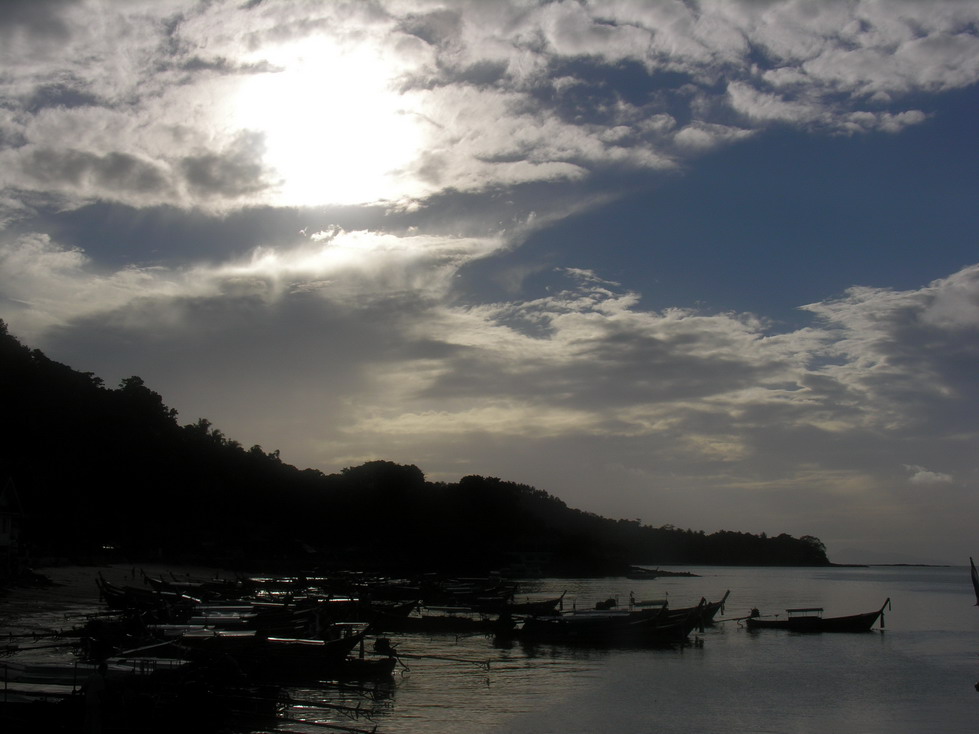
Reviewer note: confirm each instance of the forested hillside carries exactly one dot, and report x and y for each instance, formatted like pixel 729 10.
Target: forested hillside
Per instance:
pixel 112 468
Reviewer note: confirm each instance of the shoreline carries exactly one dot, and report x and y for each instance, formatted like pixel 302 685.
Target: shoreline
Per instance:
pixel 69 592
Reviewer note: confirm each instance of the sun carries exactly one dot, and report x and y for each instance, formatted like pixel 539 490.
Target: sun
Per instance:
pixel 336 131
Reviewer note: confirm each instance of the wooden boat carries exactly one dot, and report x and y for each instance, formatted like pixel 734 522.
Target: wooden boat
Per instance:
pixel 258 654
pixel 706 610
pixel 511 607
pixel 811 619
pixel 612 626
pixel 216 588
pixel 136 598
pixel 712 608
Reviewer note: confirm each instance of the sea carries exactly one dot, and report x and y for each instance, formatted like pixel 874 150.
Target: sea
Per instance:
pixel 916 675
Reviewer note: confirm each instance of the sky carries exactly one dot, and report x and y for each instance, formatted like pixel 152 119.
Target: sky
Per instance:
pixel 706 264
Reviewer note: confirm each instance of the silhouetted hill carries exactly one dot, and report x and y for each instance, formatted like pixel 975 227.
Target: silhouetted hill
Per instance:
pixel 98 467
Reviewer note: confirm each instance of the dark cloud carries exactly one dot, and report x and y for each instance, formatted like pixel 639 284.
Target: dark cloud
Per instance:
pixel 626 368
pixel 117 235
pixel 438 28
pixel 618 368
pixel 61 94
pixel 235 171
pixel 594 93
pixel 925 346
pixel 38 20
pixel 221 66
pixel 111 171
pixel 264 371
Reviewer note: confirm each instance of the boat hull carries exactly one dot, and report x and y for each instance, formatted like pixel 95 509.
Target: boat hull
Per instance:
pixel 853 623
pixel 607 627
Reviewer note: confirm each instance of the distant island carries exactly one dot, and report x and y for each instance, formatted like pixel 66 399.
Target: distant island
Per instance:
pixel 95 472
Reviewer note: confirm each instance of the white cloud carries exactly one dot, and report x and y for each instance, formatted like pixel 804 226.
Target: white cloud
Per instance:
pixel 954 302
pixel 136 103
pixel 570 29
pixel 920 475
pixel 587 359
pixel 46 284
pixel 760 105
pixel 701 136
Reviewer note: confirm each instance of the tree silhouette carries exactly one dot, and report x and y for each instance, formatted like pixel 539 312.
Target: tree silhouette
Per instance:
pixel 99 467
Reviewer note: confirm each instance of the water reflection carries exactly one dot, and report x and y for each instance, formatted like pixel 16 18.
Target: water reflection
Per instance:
pixel 915 677
pixel 908 679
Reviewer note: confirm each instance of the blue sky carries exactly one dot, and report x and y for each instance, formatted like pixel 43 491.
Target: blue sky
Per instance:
pixel 704 264
pixel 808 216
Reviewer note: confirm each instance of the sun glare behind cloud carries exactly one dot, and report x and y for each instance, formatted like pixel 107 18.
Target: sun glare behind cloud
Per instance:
pixel 335 129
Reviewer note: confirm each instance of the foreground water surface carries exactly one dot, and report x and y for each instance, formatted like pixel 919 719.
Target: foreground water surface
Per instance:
pixel 915 676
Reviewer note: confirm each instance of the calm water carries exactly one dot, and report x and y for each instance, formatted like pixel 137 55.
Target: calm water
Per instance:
pixel 917 676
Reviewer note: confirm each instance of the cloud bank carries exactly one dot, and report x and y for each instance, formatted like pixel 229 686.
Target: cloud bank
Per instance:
pixel 220 105
pixel 355 347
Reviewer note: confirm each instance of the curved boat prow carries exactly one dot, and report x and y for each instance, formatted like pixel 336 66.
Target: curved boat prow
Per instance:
pixel 885 605
pixel 975 579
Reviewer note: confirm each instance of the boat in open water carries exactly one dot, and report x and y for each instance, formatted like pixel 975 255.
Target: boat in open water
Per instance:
pixel 811 619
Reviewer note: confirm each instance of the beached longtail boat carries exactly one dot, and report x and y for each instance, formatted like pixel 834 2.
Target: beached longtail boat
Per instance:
pixel 256 653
